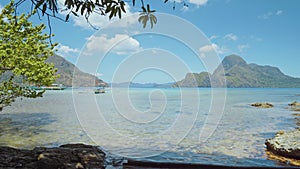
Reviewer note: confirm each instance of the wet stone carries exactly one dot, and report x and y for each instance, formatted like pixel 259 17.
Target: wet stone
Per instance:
pixel 285 144
pixel 70 156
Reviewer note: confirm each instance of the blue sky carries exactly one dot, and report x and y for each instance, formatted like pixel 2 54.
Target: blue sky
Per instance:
pixel 261 31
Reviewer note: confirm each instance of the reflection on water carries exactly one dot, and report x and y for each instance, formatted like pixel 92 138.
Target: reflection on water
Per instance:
pixel 238 140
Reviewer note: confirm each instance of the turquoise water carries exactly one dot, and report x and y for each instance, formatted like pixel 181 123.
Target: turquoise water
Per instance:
pixel 155 124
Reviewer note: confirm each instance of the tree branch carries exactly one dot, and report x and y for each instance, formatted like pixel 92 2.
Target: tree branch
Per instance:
pixel 6 68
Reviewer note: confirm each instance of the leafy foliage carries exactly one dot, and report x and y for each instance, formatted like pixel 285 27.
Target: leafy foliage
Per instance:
pixel 23 52
pixel 147 15
pixel 110 8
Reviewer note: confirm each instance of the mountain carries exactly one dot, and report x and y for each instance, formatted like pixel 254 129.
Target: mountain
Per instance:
pixel 141 85
pixel 195 80
pixel 239 74
pixel 66 71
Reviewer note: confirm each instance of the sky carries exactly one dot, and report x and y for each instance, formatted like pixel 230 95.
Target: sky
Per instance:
pixel 188 39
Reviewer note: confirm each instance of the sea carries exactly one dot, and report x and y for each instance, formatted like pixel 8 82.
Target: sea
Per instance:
pixel 189 125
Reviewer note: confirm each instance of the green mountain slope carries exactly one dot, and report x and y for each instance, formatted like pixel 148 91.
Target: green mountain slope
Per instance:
pixel 239 74
pixel 66 71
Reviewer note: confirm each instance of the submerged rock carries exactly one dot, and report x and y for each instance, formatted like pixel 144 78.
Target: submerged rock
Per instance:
pixel 295 106
pixel 286 144
pixel 295 103
pixel 70 156
pixel 262 105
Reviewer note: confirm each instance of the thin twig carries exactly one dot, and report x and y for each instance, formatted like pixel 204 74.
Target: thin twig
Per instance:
pixel 19 2
pixel 48 14
pixel 87 20
pixel 50 29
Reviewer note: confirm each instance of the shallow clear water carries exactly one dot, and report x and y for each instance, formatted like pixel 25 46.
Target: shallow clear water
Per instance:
pixel 166 123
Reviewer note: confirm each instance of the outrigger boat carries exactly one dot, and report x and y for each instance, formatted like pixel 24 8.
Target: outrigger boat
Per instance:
pixel 51 87
pixel 100 90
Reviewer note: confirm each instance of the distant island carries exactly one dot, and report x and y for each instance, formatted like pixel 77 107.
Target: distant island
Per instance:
pixel 239 74
pixel 141 85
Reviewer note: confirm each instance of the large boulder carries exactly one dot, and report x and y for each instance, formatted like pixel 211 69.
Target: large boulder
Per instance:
pixel 286 144
pixel 70 156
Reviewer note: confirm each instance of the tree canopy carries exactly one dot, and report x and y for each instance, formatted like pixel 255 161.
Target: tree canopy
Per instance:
pixel 23 52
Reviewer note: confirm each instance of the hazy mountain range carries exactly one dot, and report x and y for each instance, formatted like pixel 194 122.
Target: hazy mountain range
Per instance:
pixel 141 85
pixel 238 74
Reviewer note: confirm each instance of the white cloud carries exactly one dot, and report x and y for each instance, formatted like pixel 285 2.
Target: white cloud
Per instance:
pixel 208 48
pixel 242 48
pixel 266 16
pixel 1 7
pixel 270 14
pixel 120 44
pixel 279 12
pixel 66 51
pixel 211 48
pixel 231 36
pixel 195 2
pixel 98 74
pixel 256 38
pixel 213 37
pixel 198 2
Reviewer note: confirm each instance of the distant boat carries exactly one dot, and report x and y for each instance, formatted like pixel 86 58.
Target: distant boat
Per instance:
pixel 99 91
pixel 51 87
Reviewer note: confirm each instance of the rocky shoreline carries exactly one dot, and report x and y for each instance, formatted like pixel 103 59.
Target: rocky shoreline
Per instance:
pixel 81 156
pixel 69 156
pixel 285 146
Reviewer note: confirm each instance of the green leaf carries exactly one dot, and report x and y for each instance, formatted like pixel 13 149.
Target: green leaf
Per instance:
pixel 111 14
pixel 40 2
pixel 83 8
pixel 123 6
pixel 74 13
pixel 153 18
pixel 67 18
pixel 44 8
pixel 119 12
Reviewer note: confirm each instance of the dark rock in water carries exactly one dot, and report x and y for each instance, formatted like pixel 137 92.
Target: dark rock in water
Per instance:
pixel 296 109
pixel 294 104
pixel 286 144
pixel 262 105
pixel 70 156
